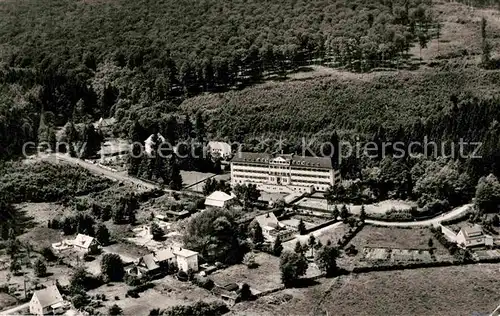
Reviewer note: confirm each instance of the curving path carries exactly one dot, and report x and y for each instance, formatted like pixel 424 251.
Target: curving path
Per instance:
pixel 433 221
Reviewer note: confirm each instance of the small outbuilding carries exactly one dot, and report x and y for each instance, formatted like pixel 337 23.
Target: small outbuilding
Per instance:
pixel 218 199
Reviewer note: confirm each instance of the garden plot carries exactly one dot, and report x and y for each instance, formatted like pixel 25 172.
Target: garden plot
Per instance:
pixel 376 254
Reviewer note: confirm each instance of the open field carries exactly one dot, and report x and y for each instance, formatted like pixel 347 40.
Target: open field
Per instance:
pixel 167 292
pixel 6 300
pixel 194 180
pixel 263 278
pixel 454 291
pixel 398 238
pixel 43 212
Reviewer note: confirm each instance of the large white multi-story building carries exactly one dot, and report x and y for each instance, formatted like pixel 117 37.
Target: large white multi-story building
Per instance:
pixel 283 173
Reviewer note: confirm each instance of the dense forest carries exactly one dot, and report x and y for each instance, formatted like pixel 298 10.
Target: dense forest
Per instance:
pixel 178 69
pixel 137 60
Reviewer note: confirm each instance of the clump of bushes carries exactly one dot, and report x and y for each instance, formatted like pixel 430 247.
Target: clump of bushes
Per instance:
pixel 203 282
pixel 134 292
pixel 395 215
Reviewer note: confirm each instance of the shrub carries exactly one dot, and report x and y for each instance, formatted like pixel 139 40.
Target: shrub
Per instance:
pixel 48 254
pixel 132 280
pixel 203 282
pixel 115 310
pixel 79 300
pixel 182 276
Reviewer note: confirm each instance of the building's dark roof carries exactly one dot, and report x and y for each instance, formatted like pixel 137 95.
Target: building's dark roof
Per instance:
pixel 149 262
pixel 296 160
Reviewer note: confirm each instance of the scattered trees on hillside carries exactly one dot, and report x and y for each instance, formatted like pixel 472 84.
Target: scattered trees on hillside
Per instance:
pixel 212 185
pixel 125 210
pixel 199 308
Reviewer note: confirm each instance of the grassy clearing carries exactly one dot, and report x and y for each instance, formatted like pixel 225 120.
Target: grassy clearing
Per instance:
pixel 460 32
pixel 43 212
pixel 458 290
pixel 263 278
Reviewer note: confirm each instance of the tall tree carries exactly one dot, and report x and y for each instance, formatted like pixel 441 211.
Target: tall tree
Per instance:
pixel 255 232
pixel 277 247
pixel 292 266
pixel 301 227
pixel 326 259
pixel 312 243
pixel 112 266
pixel 92 140
pixel 175 174
pixel 362 213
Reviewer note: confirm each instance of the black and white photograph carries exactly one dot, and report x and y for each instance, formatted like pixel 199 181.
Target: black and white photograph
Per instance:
pixel 250 157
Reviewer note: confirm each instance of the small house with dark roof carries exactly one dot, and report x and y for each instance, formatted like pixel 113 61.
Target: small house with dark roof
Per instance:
pixel 48 301
pixel 85 243
pixel 147 265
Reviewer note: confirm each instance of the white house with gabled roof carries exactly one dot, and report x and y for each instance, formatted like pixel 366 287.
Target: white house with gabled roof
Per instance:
pixel 47 301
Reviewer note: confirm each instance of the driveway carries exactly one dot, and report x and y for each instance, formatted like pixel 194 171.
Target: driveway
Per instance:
pixel 16 310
